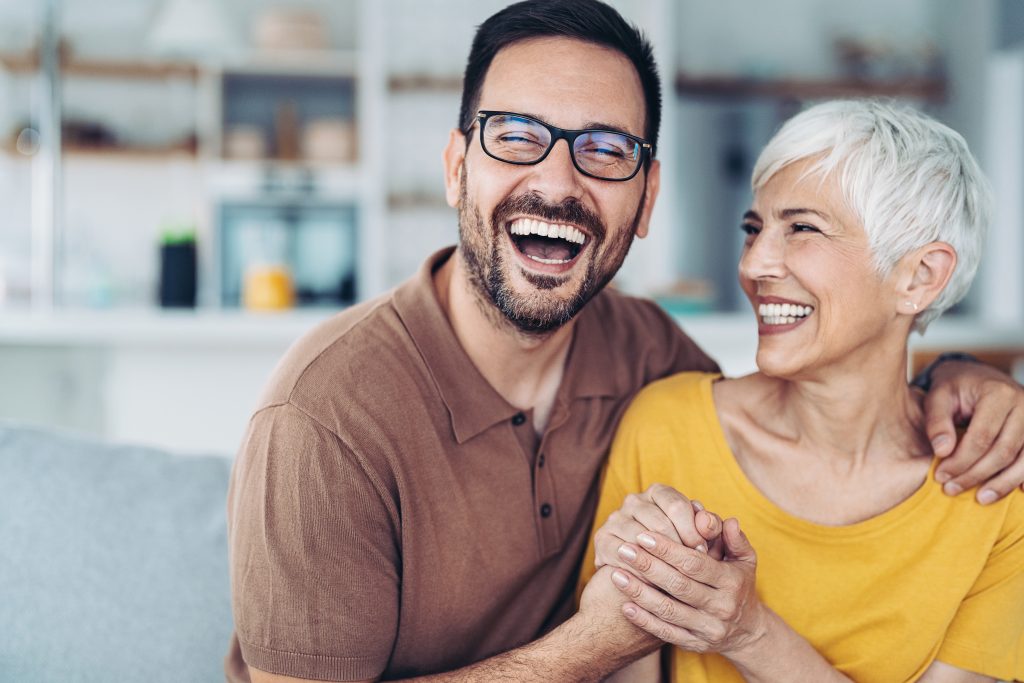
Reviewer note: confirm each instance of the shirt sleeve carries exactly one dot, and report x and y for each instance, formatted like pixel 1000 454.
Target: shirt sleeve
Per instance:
pixel 987 633
pixel 314 553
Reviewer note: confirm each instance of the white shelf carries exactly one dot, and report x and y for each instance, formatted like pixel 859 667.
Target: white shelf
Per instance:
pixel 332 63
pixel 158 328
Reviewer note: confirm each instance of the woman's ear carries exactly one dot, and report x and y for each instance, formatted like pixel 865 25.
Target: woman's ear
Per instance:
pixel 923 275
pixel 454 158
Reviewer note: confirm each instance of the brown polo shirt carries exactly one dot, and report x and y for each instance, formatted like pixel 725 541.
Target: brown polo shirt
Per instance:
pixel 391 515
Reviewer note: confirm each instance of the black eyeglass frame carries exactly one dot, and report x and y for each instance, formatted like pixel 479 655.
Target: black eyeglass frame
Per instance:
pixel 646 148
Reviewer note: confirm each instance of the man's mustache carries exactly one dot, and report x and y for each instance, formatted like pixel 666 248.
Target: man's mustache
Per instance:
pixel 571 210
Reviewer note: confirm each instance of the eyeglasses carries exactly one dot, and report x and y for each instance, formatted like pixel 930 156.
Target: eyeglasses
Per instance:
pixel 523 140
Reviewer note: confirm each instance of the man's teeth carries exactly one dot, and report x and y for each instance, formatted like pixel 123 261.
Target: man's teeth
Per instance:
pixel 549 261
pixel 530 226
pixel 782 314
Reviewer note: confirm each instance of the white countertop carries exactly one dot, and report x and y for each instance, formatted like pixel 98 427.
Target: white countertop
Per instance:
pixel 155 327
pixel 205 328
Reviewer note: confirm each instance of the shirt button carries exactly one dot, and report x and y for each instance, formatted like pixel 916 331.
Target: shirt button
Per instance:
pixel 545 510
pixel 540 460
pixel 518 419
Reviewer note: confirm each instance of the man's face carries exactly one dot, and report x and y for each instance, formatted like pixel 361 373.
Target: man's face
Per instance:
pixel 539 282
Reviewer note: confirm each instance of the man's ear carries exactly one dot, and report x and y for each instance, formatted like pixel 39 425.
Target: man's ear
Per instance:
pixel 650 194
pixel 454 158
pixel 923 274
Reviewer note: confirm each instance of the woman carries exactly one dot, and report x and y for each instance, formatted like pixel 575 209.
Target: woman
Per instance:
pixel 867 223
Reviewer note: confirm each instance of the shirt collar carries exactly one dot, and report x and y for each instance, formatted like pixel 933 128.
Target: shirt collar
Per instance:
pixel 472 403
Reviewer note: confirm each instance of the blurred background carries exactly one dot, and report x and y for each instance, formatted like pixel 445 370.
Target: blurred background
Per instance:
pixel 186 186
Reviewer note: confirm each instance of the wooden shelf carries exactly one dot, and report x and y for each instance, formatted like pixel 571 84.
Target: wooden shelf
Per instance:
pixel 144 70
pixel 424 83
pixel 114 152
pixel 417 201
pixel 725 87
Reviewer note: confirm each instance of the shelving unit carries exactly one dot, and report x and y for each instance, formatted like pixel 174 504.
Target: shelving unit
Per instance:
pixel 686 85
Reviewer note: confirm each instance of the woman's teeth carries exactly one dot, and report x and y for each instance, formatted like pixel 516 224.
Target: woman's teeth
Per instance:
pixel 782 314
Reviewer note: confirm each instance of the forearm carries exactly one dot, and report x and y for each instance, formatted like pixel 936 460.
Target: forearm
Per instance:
pixel 782 654
pixel 578 651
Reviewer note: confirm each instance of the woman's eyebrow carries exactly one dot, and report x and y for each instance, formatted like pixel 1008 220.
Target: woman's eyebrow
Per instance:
pixel 790 213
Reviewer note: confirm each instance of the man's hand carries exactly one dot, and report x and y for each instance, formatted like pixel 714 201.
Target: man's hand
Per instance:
pixel 991 452
pixel 662 509
pixel 601 611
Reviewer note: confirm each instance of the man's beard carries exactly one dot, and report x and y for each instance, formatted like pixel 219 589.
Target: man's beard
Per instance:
pixel 535 313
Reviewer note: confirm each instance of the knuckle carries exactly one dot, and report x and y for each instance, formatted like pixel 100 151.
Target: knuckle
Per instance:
pixel 678 509
pixel 680 586
pixel 664 609
pixel 981 435
pixel 716 632
pixel 1005 456
pixel 693 564
pixel 642 562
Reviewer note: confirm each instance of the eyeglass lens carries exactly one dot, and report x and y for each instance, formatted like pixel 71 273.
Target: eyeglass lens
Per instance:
pixel 522 140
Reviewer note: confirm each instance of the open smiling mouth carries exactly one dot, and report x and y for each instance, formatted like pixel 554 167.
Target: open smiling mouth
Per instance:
pixel 550 244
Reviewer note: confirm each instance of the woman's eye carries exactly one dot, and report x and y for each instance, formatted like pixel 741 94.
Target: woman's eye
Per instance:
pixel 804 227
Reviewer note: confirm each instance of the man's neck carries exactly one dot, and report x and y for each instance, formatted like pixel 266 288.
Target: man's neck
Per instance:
pixel 526 370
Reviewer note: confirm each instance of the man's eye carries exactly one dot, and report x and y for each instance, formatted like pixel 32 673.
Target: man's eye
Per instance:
pixel 751 230
pixel 604 151
pixel 517 139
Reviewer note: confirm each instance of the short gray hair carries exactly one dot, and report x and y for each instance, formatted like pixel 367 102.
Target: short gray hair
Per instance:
pixel 909 179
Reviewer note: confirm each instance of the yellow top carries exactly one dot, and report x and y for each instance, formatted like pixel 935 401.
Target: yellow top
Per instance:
pixel 932 578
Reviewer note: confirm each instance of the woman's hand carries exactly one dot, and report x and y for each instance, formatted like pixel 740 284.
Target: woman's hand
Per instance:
pixel 664 510
pixel 704 604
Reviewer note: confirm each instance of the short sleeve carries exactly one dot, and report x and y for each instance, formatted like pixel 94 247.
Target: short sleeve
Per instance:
pixel 621 477
pixel 987 633
pixel 314 553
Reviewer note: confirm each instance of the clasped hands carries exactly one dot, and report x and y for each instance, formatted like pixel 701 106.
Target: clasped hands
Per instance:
pixel 687 577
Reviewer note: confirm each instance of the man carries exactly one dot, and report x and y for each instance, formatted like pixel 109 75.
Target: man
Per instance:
pixel 415 493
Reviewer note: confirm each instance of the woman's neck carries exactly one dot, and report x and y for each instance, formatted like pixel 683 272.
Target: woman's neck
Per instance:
pixel 834 446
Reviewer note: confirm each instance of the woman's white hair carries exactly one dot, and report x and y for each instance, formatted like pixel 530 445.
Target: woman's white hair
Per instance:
pixel 908 178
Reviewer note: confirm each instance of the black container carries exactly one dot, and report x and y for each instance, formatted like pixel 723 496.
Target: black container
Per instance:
pixel 178 275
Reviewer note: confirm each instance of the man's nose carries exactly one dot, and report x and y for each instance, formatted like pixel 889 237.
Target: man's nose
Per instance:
pixel 765 258
pixel 556 178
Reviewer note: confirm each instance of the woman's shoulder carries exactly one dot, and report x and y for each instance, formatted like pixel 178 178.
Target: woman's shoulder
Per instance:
pixel 674 390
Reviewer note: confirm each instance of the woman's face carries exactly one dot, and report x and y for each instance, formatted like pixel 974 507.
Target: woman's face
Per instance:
pixel 806 268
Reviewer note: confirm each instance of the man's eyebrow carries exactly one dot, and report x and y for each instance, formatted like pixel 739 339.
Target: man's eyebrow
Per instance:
pixel 751 216
pixel 602 125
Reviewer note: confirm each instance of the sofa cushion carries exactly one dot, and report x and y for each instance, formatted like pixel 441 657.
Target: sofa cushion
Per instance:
pixel 113 561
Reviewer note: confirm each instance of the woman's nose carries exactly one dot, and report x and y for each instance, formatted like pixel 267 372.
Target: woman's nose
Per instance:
pixel 765 257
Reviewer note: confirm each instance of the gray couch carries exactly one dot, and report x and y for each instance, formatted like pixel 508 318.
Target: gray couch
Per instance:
pixel 113 562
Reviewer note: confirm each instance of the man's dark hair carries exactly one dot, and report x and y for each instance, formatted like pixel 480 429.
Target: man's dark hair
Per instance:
pixel 587 20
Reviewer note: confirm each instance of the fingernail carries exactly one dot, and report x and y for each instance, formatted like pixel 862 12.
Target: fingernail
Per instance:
pixel 940 442
pixel 629 611
pixel 646 540
pixel 987 496
pixel 943 477
pixel 627 553
pixel 620 579
pixel 952 488
pixel 701 548
pixel 696 504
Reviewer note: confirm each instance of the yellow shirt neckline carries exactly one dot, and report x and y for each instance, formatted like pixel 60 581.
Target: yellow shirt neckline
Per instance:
pixel 791 523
